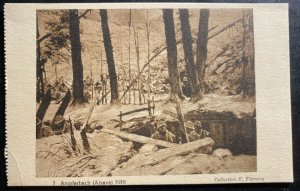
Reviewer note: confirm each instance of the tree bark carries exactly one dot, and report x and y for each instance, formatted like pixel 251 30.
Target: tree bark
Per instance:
pixel 137 49
pixel 201 53
pixel 148 55
pixel 76 57
pixel 172 54
pixel 188 54
pixel 44 105
pixel 109 56
pixel 39 67
pixel 40 114
pixel 63 106
pixel 129 66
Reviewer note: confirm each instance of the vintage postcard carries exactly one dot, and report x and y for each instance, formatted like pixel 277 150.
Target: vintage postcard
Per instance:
pixel 147 94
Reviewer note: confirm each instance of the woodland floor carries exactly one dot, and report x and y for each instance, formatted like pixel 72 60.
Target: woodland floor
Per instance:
pixel 112 156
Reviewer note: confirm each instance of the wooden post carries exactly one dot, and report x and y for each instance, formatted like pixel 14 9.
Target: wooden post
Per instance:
pixel 149 108
pixel 121 121
pixel 148 55
pixel 91 72
pixel 134 92
pixel 153 106
pixel 73 140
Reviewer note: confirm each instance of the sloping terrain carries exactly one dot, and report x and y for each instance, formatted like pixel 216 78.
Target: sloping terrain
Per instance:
pixel 112 155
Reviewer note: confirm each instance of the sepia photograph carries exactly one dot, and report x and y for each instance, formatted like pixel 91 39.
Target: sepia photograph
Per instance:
pixel 135 92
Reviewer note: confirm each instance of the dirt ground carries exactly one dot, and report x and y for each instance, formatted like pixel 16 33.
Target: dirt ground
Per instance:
pixel 111 155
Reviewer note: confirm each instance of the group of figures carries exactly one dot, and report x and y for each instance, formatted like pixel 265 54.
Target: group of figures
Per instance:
pixel 194 131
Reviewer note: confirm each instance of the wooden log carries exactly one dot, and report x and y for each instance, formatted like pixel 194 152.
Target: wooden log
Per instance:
pixel 139 138
pixel 202 146
pixel 137 110
pixel 155 163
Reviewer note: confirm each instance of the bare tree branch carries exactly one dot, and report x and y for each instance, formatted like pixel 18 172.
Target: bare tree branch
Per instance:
pixel 84 13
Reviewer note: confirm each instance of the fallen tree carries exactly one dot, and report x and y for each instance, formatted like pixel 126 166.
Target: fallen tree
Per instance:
pixel 202 146
pixel 155 163
pixel 139 138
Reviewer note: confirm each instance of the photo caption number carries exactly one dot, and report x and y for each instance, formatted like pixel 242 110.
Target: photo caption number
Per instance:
pixel 120 182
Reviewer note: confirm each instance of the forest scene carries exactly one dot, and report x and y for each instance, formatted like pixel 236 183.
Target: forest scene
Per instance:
pixel 130 92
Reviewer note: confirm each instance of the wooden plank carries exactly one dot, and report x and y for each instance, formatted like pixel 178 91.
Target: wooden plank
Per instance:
pixel 139 138
pixel 135 111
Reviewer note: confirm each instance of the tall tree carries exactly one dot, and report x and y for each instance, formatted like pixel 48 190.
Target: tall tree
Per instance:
pixel 148 55
pixel 39 66
pixel 201 53
pixel 192 75
pixel 137 50
pixel 109 56
pixel 76 57
pixel 129 66
pixel 172 54
pixel 248 55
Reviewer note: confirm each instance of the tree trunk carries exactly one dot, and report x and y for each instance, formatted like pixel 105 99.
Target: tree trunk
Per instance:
pixel 148 55
pixel 129 66
pixel 42 111
pixel 252 55
pixel 172 54
pixel 188 54
pixel 44 105
pixel 109 56
pixel 201 53
pixel 76 57
pixel 55 69
pixel 39 67
pixel 137 49
pixel 64 104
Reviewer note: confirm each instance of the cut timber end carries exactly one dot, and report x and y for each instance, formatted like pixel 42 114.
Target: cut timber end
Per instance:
pixel 139 138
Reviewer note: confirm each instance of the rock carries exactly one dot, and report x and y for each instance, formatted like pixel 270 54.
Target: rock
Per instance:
pixel 222 153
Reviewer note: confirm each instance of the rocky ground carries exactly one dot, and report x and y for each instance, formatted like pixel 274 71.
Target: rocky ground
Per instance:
pixel 113 155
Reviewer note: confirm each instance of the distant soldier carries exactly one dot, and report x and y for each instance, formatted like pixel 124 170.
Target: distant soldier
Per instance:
pixel 162 133
pixel 193 136
pixel 198 127
pixel 186 89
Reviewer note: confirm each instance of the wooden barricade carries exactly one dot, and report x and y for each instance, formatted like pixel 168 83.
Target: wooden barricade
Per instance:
pixel 150 108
